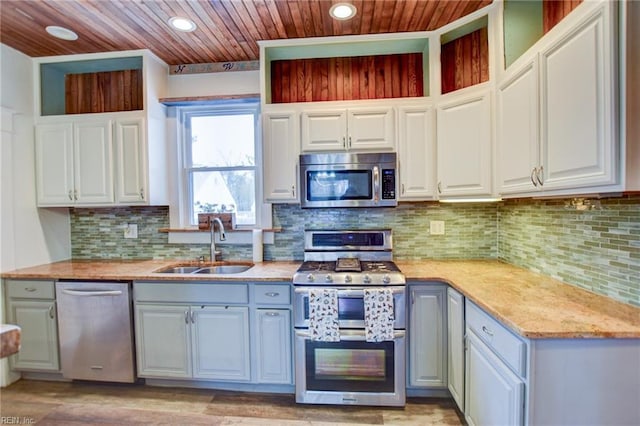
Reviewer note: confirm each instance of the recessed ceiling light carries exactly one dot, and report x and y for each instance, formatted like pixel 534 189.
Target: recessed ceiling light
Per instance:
pixel 61 32
pixel 182 24
pixel 342 11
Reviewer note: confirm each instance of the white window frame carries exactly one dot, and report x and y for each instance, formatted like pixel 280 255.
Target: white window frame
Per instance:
pixel 236 106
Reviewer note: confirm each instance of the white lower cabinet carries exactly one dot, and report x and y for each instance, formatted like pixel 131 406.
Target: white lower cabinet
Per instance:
pixel 273 346
pixel 32 306
pixel 163 336
pixel 495 395
pixel 238 332
pixel 455 346
pixel 427 337
pixel 220 336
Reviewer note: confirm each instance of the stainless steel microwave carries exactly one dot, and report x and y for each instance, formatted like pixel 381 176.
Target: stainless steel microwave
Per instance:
pixel 348 180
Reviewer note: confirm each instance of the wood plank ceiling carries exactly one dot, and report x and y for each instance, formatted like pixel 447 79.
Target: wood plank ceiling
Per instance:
pixel 227 29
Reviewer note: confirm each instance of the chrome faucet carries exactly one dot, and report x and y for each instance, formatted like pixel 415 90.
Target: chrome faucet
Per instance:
pixel 213 236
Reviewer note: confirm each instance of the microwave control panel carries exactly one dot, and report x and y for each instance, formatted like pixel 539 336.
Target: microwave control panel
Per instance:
pixel 388 184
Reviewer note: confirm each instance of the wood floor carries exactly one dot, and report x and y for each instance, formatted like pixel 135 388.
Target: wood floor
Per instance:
pixel 81 403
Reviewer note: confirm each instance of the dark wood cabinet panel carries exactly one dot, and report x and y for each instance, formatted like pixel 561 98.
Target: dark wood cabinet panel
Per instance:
pixel 465 61
pixel 347 78
pixel 110 91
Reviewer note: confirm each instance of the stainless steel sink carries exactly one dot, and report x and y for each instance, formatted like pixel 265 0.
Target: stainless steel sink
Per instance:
pixel 178 270
pixel 224 269
pixel 221 268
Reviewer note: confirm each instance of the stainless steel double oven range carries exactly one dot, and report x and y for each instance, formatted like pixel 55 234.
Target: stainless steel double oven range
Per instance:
pixel 353 370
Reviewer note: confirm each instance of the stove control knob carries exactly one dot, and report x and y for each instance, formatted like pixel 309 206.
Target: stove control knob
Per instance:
pixel 386 279
pixel 347 278
pixel 310 278
pixel 328 278
pixel 367 279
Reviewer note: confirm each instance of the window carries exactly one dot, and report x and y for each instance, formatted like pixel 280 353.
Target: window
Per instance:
pixel 220 172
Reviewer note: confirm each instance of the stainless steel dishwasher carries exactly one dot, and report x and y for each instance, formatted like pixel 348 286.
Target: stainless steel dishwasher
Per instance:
pixel 95 327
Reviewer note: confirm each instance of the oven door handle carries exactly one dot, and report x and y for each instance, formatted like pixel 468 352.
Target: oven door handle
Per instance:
pixel 351 335
pixel 350 292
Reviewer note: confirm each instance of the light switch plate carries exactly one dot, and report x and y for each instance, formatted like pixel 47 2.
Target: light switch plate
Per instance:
pixel 131 230
pixel 436 227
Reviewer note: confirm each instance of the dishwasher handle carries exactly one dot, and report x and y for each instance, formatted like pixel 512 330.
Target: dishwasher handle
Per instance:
pixel 87 293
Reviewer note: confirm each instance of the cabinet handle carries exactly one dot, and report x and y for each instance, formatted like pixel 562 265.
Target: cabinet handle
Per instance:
pixel 273 314
pixel 349 141
pixel 533 172
pixel 293 190
pixel 193 317
pixel 487 331
pixel 75 194
pixel 402 190
pixel 186 316
pixel 344 142
pixel 30 289
pixel 272 294
pixel 439 187
pixel 539 174
pixel 142 193
pixel 51 312
pixel 71 195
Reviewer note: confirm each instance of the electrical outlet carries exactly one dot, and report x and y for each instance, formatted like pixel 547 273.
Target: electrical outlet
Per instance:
pixel 131 230
pixel 436 227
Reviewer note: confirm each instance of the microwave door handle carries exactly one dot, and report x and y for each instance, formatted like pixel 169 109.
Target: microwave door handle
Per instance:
pixel 376 184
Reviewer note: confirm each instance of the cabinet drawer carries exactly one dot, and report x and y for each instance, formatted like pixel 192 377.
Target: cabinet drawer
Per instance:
pixel 20 289
pixel 507 345
pixel 272 294
pixel 180 292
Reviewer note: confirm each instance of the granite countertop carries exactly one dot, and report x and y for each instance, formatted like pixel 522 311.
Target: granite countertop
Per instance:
pixel 532 305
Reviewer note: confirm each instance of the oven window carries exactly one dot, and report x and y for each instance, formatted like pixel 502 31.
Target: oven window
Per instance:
pixel 339 185
pixel 349 308
pixel 350 366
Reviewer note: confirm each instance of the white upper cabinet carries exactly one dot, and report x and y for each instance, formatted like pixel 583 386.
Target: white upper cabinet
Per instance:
pixel 517 129
pixel 579 146
pixel 465 144
pixel 343 129
pixel 417 152
pixel 74 163
pixel 556 120
pixel 280 156
pixel 101 158
pixel 131 175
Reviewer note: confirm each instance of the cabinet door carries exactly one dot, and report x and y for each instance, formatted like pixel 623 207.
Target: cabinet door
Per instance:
pixel 371 129
pixel 131 182
pixel 464 146
pixel 39 335
pixel 417 153
pixel 280 153
pixel 455 346
pixel 54 164
pixel 273 346
pixel 578 115
pixel 517 131
pixel 427 338
pixel 324 130
pixel 163 341
pixel 494 394
pixel 221 343
pixel 93 162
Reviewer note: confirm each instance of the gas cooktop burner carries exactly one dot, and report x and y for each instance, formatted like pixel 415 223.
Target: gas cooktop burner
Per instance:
pixel 334 257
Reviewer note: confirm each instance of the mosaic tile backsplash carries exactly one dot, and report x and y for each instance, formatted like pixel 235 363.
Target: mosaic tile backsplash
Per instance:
pixel 598 250
pixel 595 249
